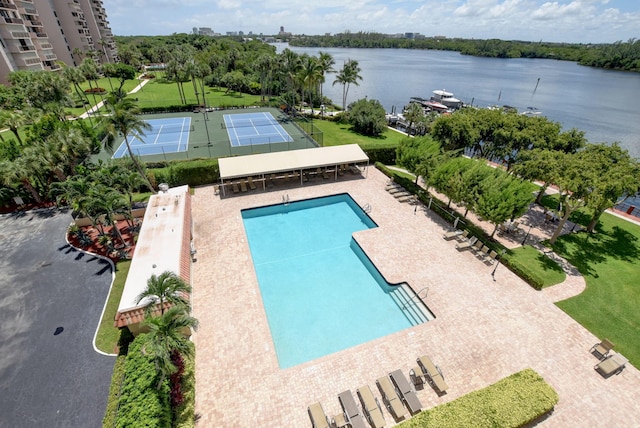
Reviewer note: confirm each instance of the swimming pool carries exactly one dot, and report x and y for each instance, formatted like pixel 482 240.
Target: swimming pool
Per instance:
pixel 320 291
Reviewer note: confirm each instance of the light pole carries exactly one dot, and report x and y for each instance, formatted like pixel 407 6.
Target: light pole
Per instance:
pixel 493 274
pixel 527 235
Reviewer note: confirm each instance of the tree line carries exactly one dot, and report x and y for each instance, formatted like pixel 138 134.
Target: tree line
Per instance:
pixel 615 56
pixel 594 176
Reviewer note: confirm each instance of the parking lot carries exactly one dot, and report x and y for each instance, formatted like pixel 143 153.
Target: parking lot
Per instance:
pixel 51 300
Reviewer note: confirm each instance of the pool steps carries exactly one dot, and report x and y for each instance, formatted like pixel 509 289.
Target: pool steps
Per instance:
pixel 413 307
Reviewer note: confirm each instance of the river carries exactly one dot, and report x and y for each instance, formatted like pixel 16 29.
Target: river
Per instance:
pixel 604 104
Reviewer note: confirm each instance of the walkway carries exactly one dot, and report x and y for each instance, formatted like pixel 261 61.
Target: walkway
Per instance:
pixel 533 230
pixel 485 330
pixel 98 106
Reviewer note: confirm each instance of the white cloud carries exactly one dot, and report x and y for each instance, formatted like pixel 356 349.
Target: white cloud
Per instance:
pixel 558 20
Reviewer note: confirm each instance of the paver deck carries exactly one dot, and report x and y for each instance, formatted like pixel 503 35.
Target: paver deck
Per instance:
pixel 485 330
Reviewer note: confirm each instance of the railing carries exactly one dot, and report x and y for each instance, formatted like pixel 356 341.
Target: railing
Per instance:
pixel 366 208
pixel 417 296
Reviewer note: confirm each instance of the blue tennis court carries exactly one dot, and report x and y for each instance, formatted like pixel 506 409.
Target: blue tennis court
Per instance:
pixel 247 129
pixel 169 135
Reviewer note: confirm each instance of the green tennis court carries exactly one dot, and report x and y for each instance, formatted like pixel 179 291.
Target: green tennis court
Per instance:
pixel 208 136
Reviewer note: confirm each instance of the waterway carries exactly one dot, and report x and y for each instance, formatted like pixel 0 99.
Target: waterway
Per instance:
pixel 604 104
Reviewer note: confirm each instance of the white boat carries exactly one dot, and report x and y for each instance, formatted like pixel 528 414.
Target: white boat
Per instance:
pixel 446 98
pixel 531 111
pixel 430 104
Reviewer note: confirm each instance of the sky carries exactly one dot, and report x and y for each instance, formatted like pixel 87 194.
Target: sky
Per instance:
pixel 573 21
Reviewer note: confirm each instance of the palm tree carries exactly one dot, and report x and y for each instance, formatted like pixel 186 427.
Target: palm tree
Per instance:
pixel 76 77
pixel 413 114
pixel 166 337
pixel 289 67
pixel 123 119
pixel 326 62
pixel 347 76
pixel 165 288
pixel 109 204
pixel 310 74
pixel 13 120
pixel 20 170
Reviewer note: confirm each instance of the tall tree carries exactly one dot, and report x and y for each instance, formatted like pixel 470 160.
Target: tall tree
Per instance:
pixel 310 74
pixel 289 67
pixel 167 336
pixel 347 76
pixel 122 119
pixel 326 63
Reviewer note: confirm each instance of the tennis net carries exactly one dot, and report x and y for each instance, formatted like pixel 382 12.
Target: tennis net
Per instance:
pixel 165 129
pixel 248 123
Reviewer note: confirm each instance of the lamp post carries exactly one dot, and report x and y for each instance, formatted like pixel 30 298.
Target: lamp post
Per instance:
pixel 493 273
pixel 527 235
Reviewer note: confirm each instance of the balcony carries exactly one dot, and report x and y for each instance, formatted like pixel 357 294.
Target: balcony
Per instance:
pixel 46 46
pixel 5 5
pixel 20 35
pixel 26 48
pixel 50 57
pixel 41 35
pixel 13 20
pixel 29 11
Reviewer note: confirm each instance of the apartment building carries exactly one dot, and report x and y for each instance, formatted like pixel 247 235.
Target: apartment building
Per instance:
pixel 39 34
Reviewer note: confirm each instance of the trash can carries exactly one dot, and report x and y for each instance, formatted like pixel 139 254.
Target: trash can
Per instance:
pixel 630 209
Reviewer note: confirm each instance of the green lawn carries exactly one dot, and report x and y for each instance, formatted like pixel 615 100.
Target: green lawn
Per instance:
pixel 337 134
pixel 107 337
pixel 547 271
pixel 608 259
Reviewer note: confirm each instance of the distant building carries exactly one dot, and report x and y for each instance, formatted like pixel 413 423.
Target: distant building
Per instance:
pixel 204 31
pixel 283 33
pixel 36 35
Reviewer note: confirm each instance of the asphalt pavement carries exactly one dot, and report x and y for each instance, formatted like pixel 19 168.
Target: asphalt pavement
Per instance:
pixel 51 299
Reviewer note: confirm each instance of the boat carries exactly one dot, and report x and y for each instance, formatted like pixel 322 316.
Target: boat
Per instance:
pixel 531 111
pixel 430 104
pixel 446 98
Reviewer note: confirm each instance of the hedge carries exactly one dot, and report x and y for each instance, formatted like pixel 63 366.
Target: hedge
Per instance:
pixel 192 172
pixel 186 413
pixel 114 391
pixel 514 401
pixel 523 272
pixel 141 403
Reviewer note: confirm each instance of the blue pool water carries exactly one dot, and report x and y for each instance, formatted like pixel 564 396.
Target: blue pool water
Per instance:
pixel 320 292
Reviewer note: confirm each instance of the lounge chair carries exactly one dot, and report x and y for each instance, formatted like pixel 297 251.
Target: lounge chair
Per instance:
pixel 602 349
pixel 483 253
pixel 371 407
pixel 611 365
pixel 351 410
pixel 243 185
pixel 318 418
pixel 401 194
pixel 251 183
pixel 417 375
pixel 235 187
pixel 452 234
pixel 477 247
pixel 396 189
pixel 324 174
pixel 390 397
pixel 432 373
pixel 463 237
pixel 339 421
pixel 467 244
pixel 406 391
pixel 491 257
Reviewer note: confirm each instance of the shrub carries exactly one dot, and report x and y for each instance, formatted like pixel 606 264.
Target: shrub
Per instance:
pixel 185 413
pixel 523 272
pixel 114 391
pixel 385 154
pixel 192 172
pixel 514 401
pixel 141 403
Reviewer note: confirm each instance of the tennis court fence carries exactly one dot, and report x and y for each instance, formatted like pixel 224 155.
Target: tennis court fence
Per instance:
pixel 308 128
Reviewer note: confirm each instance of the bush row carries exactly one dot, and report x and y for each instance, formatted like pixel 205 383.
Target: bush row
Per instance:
pixel 523 272
pixel 114 391
pixel 514 401
pixel 185 414
pixel 141 402
pixel 196 172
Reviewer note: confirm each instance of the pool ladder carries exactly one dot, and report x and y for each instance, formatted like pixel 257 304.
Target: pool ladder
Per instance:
pixel 366 208
pixel 285 199
pixel 417 295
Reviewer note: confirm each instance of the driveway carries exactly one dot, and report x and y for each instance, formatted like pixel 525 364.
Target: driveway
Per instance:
pixel 51 299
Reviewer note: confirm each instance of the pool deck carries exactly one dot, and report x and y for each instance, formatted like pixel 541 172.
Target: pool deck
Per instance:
pixel 485 330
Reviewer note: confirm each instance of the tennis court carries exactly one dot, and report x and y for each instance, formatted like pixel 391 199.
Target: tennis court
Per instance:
pixel 248 129
pixel 169 135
